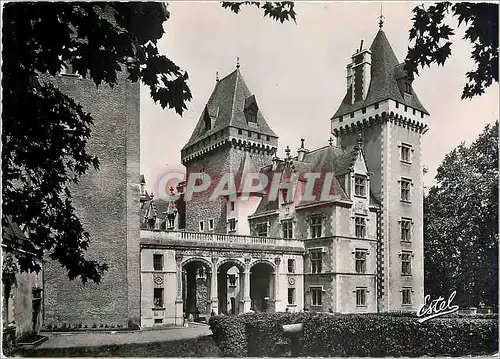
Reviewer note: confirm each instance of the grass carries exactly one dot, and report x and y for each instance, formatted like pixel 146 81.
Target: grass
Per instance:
pixel 195 347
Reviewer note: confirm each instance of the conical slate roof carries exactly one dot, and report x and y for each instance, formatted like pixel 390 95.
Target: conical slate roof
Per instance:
pixel 385 73
pixel 226 107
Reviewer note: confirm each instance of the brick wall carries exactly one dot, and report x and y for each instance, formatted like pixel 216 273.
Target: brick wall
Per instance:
pixel 107 203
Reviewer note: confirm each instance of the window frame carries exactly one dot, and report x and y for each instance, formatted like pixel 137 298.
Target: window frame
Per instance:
pixel 161 299
pixel 316 259
pixel 359 218
pixel 361 260
pixel 201 226
pixel 405 146
pixel 316 226
pixel 361 300
pixel 362 185
pixel 211 224
pixel 403 223
pixel 406 263
pixel 408 291
pixel 287 228
pixel 229 222
pixel 291 265
pixel 291 294
pixel 402 185
pixel 262 224
pixel 316 293
pixel 161 261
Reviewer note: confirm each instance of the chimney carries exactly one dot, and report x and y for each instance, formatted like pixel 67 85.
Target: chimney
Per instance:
pixel 359 73
pixel 301 152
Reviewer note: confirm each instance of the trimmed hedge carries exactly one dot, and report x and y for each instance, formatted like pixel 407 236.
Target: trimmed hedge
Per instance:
pixel 355 335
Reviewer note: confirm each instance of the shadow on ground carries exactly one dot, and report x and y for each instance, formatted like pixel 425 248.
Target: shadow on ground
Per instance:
pixel 194 347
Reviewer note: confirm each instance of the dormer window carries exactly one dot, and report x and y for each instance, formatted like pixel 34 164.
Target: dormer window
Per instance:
pixel 407 87
pixel 360 186
pixel 251 110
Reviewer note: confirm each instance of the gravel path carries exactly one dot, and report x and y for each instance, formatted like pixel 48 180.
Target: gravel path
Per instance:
pixel 145 336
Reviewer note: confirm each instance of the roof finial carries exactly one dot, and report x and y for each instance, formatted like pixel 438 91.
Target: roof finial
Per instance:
pixel 287 151
pixel 381 17
pixel 217 76
pixel 330 141
pixel 238 62
pixel 302 140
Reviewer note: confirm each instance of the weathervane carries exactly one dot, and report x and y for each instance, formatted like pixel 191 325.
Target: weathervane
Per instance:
pixel 381 17
pixel 238 62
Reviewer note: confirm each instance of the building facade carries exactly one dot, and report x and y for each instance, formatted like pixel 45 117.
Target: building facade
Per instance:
pixel 360 249
pixel 340 231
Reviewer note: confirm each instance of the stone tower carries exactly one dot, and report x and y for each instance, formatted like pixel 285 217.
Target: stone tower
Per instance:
pixel 231 137
pixel 380 104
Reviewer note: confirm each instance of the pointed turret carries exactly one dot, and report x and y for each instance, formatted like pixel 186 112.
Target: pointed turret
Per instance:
pixel 231 113
pixel 382 77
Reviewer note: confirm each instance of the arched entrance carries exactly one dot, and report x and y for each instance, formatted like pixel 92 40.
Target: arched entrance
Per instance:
pixel 262 280
pixel 196 288
pixel 230 282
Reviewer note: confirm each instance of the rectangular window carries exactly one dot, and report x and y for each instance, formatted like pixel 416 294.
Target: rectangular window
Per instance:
pixel 316 226
pixel 406 263
pixel 291 295
pixel 249 133
pixel 316 296
pixel 291 266
pixel 406 229
pixel 414 112
pixel 406 296
pixel 202 226
pixel 352 114
pixel 376 106
pixel 316 261
pixel 397 104
pixel 261 229
pixel 363 110
pixel 341 119
pixel 211 224
pixel 157 261
pixel 284 194
pixel 406 108
pixel 258 136
pixel 421 115
pixel 232 225
pixel 405 153
pixel 158 297
pixel 232 205
pixel 240 131
pixel 268 138
pixel 405 190
pixel 360 261
pixel 287 229
pixel 360 227
pixel 361 297
pixel 407 87
pixel 360 186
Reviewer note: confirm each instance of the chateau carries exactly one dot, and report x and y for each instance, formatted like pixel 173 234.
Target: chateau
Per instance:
pixel 360 249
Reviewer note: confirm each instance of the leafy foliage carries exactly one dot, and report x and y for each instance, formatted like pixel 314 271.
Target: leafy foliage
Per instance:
pixel 45 132
pixel 431 40
pixel 280 11
pixel 461 224
pixel 344 335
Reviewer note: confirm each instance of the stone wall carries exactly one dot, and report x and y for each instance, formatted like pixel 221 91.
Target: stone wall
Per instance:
pixel 107 202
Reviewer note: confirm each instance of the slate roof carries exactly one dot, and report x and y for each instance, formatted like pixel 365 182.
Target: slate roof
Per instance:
pixel 226 107
pixel 385 72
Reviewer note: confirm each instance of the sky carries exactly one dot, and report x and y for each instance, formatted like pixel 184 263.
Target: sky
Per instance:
pixel 297 73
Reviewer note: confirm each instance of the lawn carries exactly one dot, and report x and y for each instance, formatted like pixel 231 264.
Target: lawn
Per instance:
pixel 195 347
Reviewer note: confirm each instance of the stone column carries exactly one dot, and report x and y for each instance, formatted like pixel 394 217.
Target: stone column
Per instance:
pixel 214 287
pixel 277 296
pixel 179 310
pixel 246 287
